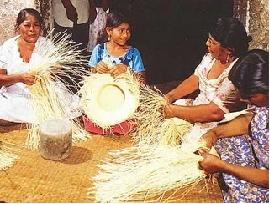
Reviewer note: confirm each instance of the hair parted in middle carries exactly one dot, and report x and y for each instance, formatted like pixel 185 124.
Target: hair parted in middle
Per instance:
pixel 22 16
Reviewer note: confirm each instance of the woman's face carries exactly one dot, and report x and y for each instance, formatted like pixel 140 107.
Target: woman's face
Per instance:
pixel 216 50
pixel 121 34
pixel 29 29
pixel 258 99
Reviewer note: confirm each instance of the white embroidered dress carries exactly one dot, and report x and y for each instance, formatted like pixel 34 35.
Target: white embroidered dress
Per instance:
pixel 217 90
pixel 15 100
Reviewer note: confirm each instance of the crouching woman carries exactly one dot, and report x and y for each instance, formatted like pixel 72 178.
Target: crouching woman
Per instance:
pixel 245 183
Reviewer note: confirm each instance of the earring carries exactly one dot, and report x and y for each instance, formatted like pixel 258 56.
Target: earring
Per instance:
pixel 228 59
pixel 109 38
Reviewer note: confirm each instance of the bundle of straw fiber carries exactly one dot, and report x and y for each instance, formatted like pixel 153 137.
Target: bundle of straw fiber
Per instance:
pixel 7 156
pixel 152 127
pixel 108 101
pixel 145 173
pixel 51 99
pixel 148 171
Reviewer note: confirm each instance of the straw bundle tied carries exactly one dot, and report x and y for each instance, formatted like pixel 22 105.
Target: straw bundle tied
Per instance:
pixel 145 172
pixel 49 94
pixel 7 156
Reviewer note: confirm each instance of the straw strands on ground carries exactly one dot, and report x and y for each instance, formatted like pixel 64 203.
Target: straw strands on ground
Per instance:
pixel 51 99
pixel 144 173
pixel 7 156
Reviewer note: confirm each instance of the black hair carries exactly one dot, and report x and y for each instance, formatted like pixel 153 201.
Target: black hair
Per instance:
pixel 113 20
pixel 97 3
pixel 22 16
pixel 231 33
pixel 250 74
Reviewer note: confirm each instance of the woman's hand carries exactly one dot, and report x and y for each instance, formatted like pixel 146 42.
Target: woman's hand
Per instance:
pixel 102 68
pixel 168 111
pixel 208 139
pixel 210 163
pixel 118 69
pixel 169 97
pixel 28 79
pixel 141 77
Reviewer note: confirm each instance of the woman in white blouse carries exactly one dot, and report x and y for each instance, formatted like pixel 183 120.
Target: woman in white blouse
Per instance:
pixel 17 56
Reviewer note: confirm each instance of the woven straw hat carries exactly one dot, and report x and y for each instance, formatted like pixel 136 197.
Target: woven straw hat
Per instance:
pixel 108 101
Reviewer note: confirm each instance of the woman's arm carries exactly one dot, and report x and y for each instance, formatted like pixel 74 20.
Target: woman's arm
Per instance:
pixel 199 113
pixel 238 126
pixel 7 80
pixel 212 164
pixel 188 86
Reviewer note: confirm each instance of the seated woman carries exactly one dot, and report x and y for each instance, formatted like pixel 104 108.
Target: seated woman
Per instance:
pixel 244 182
pixel 114 57
pixel 17 56
pixel 226 42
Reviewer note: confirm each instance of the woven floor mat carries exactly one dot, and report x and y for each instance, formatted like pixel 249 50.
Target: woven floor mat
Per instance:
pixel 34 179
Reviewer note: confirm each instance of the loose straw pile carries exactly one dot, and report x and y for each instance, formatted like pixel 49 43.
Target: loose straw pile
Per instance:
pixel 145 173
pixel 7 156
pixel 48 100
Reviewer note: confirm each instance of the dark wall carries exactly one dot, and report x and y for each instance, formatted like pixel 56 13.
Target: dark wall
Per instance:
pixel 171 34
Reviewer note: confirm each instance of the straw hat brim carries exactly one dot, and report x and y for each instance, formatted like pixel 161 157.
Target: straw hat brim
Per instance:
pixel 109 101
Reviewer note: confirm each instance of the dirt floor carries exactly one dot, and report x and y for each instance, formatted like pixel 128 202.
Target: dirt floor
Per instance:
pixel 34 179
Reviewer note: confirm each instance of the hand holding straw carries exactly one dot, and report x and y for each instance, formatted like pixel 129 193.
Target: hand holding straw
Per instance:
pixel 60 58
